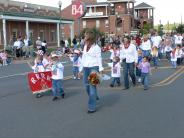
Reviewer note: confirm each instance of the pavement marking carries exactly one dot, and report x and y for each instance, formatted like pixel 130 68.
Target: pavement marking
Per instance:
pixel 170 77
pixel 13 75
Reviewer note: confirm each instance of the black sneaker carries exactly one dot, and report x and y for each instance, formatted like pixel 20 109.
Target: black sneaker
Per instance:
pixel 63 95
pixel 55 98
pixel 90 112
pixel 111 85
pixel 126 88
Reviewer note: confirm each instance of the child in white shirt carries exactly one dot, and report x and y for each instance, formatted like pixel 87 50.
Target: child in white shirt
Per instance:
pixel 57 77
pixel 76 59
pixel 173 58
pixel 3 57
pixel 115 71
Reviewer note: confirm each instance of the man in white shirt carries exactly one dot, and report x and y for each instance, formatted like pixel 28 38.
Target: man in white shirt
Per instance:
pixel 129 58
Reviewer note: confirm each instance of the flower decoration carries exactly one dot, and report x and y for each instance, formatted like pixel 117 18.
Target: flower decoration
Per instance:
pixel 94 78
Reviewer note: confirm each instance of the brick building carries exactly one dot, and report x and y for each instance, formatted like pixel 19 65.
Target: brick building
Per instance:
pixel 112 17
pixel 144 14
pixel 20 19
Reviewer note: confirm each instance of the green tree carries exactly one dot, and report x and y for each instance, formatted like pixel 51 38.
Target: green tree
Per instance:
pixel 146 28
pixel 180 28
pixel 160 29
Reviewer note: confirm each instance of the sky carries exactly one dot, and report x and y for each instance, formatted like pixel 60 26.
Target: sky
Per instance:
pixel 165 10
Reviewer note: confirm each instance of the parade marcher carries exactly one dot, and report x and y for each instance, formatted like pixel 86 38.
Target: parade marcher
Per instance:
pixel 76 59
pixel 129 58
pixel 145 71
pixel 168 49
pixel 156 40
pixel 3 58
pixel 154 55
pixel 178 54
pixel 91 61
pixel 57 77
pixel 115 71
pixel 38 62
pixel 146 46
pixel 138 70
pixel 115 51
pixel 174 58
pixel 178 39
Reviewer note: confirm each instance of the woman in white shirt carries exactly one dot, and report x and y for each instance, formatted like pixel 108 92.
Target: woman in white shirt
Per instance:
pixel 129 58
pixel 146 46
pixel 91 61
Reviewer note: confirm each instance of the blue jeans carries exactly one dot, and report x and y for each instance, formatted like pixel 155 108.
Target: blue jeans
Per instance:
pixel 115 80
pixel 138 72
pixel 155 61
pixel 90 89
pixel 128 68
pixel 75 71
pixel 145 80
pixel 146 53
pixel 75 46
pixel 57 88
pixel 174 64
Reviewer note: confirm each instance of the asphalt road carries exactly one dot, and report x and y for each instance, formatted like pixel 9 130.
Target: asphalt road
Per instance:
pixel 155 113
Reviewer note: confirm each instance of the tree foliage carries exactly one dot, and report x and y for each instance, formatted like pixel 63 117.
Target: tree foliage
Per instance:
pixel 146 28
pixel 180 29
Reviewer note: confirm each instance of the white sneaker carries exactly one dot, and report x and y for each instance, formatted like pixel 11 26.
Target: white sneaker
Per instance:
pixel 74 78
pixel 139 79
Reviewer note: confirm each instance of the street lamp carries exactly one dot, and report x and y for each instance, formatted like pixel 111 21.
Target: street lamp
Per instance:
pixel 60 29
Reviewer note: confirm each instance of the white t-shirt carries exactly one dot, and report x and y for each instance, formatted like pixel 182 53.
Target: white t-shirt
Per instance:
pixel 115 70
pixel 146 45
pixel 156 40
pixel 57 71
pixel 26 42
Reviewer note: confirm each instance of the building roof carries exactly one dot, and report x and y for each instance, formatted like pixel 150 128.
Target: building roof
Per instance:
pixel 31 15
pixel 116 1
pixel 143 6
pixel 98 4
pixel 30 5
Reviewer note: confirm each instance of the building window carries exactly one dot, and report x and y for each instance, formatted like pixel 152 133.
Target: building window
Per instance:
pixel 14 34
pixel 97 23
pixel 106 23
pixel 84 24
pixel 53 36
pixel 41 35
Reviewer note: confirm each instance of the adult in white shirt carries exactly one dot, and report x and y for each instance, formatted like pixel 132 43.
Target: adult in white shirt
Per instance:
pixel 156 40
pixel 17 47
pixel 178 39
pixel 146 46
pixel 91 61
pixel 26 48
pixel 129 58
